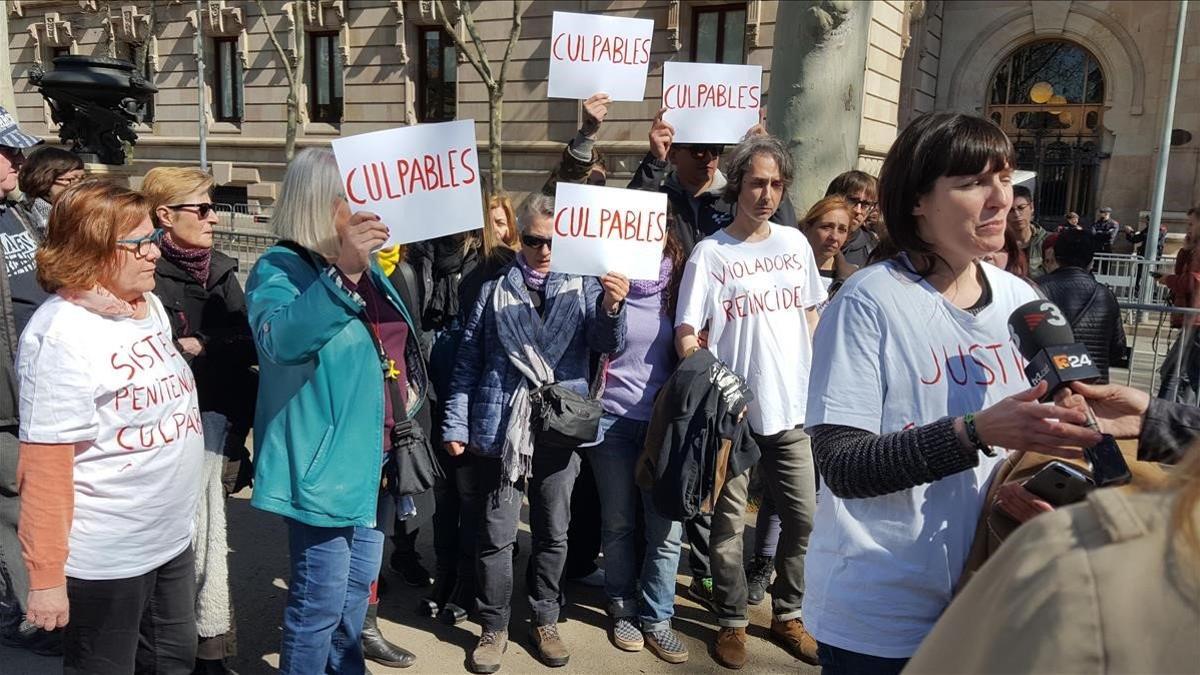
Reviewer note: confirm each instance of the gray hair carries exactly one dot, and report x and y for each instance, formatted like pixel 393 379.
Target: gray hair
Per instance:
pixel 745 152
pixel 536 204
pixel 304 211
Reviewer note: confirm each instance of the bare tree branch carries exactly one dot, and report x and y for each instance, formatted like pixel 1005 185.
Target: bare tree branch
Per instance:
pixel 287 63
pixel 512 41
pixel 481 67
pixel 468 17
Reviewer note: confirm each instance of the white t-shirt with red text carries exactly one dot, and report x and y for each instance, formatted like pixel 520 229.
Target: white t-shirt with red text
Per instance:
pixel 752 296
pixel 123 395
pixel 893 354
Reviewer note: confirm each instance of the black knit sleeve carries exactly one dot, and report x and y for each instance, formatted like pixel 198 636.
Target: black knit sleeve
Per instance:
pixel 856 464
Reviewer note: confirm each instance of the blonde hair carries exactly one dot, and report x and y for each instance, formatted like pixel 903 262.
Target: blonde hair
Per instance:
pixel 490 241
pixel 166 185
pixel 80 249
pixel 304 211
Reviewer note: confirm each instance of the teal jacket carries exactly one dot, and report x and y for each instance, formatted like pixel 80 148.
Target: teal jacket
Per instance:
pixel 318 425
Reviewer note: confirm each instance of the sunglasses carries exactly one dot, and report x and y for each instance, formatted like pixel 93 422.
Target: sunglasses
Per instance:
pixel 702 150
pixel 141 246
pixel 202 210
pixel 533 241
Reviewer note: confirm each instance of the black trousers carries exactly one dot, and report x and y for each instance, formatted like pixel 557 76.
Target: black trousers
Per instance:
pixel 144 624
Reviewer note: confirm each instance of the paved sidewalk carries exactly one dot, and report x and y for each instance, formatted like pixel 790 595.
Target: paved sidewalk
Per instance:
pixel 258 563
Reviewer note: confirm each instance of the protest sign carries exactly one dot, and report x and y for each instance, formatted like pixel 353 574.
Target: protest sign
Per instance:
pixel 422 181
pixel 711 102
pixel 598 230
pixel 590 54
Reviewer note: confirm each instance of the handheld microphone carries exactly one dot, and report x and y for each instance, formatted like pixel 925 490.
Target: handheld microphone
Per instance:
pixel 1047 342
pixel 1045 339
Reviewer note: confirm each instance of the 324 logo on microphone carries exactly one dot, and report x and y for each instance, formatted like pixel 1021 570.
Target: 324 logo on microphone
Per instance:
pixel 1063 361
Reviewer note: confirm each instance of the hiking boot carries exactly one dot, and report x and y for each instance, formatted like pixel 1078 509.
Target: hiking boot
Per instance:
pixel 758 577
pixel 485 658
pixel 625 634
pixel 667 646
pixel 701 590
pixel 377 648
pixel 550 646
pixel 729 649
pixel 792 636
pixel 410 569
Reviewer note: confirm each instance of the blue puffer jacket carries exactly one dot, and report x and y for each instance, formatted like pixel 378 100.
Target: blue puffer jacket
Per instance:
pixel 484 379
pixel 318 427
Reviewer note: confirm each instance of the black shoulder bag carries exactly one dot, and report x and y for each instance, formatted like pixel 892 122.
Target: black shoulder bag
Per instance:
pixel 565 420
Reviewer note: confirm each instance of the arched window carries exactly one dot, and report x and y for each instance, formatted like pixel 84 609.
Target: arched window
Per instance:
pixel 1052 85
pixel 1048 96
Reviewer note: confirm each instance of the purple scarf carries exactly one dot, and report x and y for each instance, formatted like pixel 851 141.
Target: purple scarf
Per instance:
pixel 533 279
pixel 643 288
pixel 194 261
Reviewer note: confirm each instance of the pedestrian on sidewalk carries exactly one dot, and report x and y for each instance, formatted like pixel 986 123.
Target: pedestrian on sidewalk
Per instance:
pixel 338 374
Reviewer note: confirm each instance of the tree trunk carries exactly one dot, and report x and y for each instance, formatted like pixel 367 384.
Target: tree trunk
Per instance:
pixel 817 89
pixel 495 139
pixel 293 121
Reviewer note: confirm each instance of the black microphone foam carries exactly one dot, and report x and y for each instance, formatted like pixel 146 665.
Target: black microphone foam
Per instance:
pixel 1039 324
pixel 1044 337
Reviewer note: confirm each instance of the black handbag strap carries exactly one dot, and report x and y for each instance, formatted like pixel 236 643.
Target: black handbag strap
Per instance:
pixel 390 383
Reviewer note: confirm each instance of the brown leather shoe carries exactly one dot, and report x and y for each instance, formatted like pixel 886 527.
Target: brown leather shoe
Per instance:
pixel 792 636
pixel 730 647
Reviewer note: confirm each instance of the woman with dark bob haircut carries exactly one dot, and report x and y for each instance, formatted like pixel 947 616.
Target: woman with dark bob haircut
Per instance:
pixel 44 175
pixel 922 388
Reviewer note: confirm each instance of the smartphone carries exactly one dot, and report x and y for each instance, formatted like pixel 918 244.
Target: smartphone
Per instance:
pixel 1108 464
pixel 1059 484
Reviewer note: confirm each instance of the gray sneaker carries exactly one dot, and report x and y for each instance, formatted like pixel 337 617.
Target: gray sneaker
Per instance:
pixel 550 646
pixel 626 635
pixel 485 658
pixel 667 646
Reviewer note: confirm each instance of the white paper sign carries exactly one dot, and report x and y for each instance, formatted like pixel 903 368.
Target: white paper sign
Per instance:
pixel 711 102
pixel 598 230
pixel 422 181
pixel 590 54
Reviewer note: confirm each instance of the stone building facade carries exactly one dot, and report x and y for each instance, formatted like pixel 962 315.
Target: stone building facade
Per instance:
pixel 374 64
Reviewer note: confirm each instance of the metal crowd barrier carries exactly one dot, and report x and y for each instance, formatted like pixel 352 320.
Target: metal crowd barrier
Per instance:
pixel 244 246
pixel 1164 351
pixel 1125 274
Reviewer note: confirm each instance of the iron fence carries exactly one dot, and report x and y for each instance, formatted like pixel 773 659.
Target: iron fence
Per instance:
pixel 244 246
pixel 1125 274
pixel 1164 351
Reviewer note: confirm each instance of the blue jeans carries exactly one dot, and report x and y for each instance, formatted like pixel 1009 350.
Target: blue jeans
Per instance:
pixel 332 569
pixel 614 461
pixel 837 661
pixel 664 538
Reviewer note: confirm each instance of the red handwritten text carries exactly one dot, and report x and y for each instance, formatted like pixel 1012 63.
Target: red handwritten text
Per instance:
pixel 628 225
pixel 163 390
pixel 605 48
pixel 775 263
pixel 756 302
pixel 162 432
pixel 377 181
pixel 976 364
pixel 143 355
pixel 711 95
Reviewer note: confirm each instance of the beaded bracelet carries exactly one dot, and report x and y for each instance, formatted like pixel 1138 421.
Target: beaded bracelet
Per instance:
pixel 973 436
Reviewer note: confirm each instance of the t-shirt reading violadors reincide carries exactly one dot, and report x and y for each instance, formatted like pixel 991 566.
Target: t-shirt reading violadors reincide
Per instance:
pixel 752 297
pixel 893 354
pixel 120 392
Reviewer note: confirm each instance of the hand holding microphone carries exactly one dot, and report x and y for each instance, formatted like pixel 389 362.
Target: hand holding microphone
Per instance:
pixel 1047 342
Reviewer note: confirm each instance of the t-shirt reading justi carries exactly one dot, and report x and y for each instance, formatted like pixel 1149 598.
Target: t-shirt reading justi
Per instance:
pixel 119 391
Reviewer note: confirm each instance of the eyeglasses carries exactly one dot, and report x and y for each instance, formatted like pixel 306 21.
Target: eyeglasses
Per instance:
pixel 202 210
pixel 864 204
pixel 533 241
pixel 141 246
pixel 700 151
